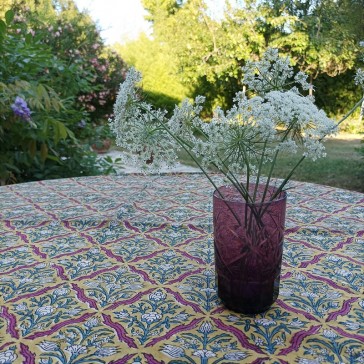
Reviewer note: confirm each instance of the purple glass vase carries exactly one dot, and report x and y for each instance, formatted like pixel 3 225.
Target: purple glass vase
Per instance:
pixel 248 240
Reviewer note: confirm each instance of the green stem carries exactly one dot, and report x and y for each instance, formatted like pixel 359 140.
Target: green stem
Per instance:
pixel 351 111
pixel 259 170
pixel 285 181
pixel 186 146
pixel 274 161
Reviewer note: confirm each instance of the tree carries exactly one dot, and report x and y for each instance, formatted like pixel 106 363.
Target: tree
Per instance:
pixel 320 36
pixel 209 52
pixel 159 67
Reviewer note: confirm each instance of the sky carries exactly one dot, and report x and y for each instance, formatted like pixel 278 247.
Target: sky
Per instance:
pixel 119 20
pixel 123 20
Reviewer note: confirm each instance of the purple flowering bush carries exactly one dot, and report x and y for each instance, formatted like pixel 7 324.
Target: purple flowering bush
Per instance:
pixel 21 109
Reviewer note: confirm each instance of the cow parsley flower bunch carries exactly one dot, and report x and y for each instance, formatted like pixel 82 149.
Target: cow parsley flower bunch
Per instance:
pixel 238 142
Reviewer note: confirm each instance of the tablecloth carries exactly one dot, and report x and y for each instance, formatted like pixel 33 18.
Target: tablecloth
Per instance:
pixel 120 269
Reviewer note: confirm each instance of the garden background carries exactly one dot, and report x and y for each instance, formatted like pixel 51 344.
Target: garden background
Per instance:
pixel 59 80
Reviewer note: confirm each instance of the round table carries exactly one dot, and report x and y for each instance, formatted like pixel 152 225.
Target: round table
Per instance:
pixel 120 269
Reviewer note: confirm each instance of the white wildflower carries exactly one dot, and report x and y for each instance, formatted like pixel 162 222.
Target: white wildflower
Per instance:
pixel 239 141
pixel 359 77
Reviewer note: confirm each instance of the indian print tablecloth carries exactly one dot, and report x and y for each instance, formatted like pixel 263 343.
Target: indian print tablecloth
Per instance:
pixel 121 270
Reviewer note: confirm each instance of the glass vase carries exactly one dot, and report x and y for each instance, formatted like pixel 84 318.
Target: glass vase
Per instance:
pixel 248 241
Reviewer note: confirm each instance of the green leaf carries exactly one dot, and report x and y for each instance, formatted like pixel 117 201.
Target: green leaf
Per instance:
pixel 28 38
pixel 45 128
pixel 44 151
pixel 53 158
pixel 9 16
pixel 2 27
pixel 62 130
pixel 32 148
pixel 44 96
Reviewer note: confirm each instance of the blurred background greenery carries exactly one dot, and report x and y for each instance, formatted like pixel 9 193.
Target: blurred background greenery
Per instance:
pixel 53 57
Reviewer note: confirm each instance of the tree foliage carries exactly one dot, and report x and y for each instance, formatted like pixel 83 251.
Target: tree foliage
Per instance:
pixel 161 83
pixel 320 36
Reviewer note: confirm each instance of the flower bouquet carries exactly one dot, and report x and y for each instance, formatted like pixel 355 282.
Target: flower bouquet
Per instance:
pixel 249 212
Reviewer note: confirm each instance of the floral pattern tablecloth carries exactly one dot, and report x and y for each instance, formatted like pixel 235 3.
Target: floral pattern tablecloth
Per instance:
pixel 121 270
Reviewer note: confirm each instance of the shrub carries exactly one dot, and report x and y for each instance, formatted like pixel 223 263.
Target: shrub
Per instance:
pixel 56 84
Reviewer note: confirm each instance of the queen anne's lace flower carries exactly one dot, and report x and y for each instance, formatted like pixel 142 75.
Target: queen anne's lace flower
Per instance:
pixel 238 142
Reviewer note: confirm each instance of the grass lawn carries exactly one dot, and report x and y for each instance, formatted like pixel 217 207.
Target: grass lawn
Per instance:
pixel 343 166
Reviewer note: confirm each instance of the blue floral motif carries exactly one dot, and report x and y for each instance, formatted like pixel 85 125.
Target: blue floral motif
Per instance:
pixel 85 263
pixel 332 348
pixel 21 256
pixel 314 297
pixel 269 330
pixel 43 311
pixel 8 356
pixel 112 286
pixel 319 237
pixel 9 239
pixel 174 234
pixel 134 247
pixel 205 346
pixel 341 271
pixel 354 321
pixel 26 281
pixel 55 228
pixel 200 289
pixel 152 316
pixel 202 249
pixel 64 245
pixel 90 342
pixel 84 223
pixel 166 266
pixel 295 253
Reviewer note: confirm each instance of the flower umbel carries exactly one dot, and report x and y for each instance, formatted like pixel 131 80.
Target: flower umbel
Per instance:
pixel 239 142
